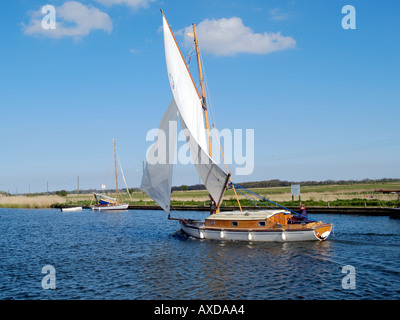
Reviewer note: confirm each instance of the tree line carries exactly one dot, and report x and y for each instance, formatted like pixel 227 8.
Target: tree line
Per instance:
pixel 251 184
pixel 284 183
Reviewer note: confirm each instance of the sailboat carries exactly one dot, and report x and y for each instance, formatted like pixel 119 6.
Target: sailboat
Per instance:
pixel 261 224
pixel 103 202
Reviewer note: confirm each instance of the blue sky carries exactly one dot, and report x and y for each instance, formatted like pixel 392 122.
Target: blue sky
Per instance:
pixel 324 102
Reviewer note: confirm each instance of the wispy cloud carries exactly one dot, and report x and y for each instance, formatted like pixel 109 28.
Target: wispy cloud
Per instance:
pixel 135 4
pixel 134 51
pixel 73 19
pixel 227 37
pixel 277 14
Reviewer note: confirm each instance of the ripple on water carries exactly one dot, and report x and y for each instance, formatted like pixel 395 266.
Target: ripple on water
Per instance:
pixel 142 255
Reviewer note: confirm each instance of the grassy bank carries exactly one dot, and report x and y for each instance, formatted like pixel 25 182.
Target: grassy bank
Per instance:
pixel 353 195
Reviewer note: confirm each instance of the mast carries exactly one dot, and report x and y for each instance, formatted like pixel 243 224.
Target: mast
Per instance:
pixel 204 105
pixel 206 115
pixel 115 163
pixel 203 91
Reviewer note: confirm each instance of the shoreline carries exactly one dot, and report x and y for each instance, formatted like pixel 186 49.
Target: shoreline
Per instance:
pixel 367 211
pixel 364 211
pixel 310 210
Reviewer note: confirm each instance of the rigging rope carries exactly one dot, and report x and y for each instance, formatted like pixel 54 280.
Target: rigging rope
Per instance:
pixel 189 55
pixel 209 104
pixel 123 176
pixel 254 201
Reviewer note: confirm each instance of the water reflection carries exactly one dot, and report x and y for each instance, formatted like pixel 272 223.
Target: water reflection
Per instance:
pixel 203 269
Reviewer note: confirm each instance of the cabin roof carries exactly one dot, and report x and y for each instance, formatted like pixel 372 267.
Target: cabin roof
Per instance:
pixel 246 215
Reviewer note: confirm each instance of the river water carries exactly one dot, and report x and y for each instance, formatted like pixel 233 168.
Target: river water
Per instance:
pixel 141 255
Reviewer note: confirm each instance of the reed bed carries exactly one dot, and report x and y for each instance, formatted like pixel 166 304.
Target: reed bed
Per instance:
pixel 31 202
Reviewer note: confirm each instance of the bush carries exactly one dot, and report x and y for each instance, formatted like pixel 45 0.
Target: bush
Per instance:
pixel 62 193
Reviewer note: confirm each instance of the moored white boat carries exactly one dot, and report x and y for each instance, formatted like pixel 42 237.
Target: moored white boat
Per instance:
pixel 71 209
pixel 103 207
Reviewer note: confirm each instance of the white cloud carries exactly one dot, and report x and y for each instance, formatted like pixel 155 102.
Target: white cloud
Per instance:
pixel 135 4
pixel 227 37
pixel 73 19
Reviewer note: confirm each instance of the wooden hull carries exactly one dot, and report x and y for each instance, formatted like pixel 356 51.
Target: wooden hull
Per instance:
pixel 198 230
pixel 122 206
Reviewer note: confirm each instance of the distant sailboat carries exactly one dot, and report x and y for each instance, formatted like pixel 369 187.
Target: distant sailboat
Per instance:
pixel 109 203
pixel 187 105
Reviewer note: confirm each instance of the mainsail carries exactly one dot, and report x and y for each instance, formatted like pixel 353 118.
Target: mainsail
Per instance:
pixel 187 102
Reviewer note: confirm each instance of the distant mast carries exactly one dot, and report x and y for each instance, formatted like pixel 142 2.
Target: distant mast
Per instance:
pixel 116 177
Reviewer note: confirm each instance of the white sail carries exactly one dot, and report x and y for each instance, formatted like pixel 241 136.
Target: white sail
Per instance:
pixel 157 175
pixel 183 89
pixel 213 177
pixel 190 109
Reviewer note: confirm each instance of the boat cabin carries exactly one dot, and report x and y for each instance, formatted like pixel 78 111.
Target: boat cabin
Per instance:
pixel 249 219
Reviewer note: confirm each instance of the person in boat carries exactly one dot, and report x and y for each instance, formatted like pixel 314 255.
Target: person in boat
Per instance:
pixel 303 211
pixel 302 217
pixel 213 207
